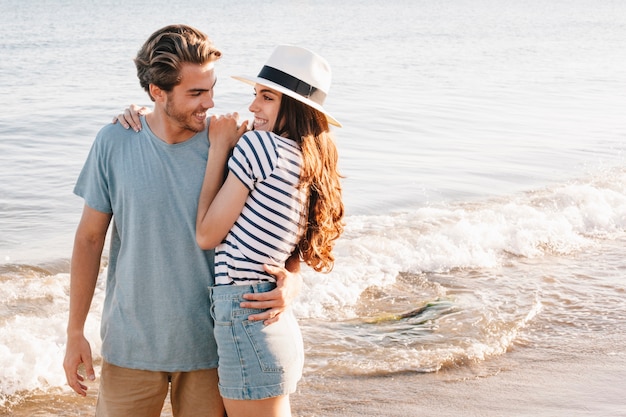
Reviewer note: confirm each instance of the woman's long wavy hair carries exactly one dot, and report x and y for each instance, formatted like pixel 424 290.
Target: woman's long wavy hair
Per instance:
pixel 320 174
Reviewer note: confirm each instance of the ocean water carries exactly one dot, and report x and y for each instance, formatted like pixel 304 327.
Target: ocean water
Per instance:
pixel 483 150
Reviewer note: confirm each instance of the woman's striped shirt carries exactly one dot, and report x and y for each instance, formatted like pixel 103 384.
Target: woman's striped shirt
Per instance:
pixel 272 220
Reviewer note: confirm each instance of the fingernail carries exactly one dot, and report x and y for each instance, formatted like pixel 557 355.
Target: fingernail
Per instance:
pixel 92 377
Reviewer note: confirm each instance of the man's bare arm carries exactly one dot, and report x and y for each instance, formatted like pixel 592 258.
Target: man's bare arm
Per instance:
pixel 288 286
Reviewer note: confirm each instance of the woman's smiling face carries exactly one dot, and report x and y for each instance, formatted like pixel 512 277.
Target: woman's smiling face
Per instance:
pixel 265 107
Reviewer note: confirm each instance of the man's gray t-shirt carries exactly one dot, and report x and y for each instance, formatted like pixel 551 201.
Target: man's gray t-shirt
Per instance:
pixel 156 310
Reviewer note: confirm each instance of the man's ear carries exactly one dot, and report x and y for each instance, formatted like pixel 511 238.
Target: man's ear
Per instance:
pixel 156 93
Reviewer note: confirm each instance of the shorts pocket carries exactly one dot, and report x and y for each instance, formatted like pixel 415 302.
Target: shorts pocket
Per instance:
pixel 274 344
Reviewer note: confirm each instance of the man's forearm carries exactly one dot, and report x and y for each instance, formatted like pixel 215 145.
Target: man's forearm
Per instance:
pixel 85 268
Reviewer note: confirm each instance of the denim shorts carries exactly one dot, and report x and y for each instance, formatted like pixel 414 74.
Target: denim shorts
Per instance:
pixel 255 361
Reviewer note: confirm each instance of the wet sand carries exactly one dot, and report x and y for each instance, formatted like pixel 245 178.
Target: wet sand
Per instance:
pixel 523 383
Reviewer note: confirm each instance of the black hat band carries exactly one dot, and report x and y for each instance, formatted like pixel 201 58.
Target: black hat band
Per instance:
pixel 292 83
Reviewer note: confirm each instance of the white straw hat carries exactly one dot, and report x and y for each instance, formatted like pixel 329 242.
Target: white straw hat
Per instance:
pixel 298 73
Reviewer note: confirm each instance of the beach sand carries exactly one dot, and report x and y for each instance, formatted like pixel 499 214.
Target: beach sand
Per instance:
pixel 524 382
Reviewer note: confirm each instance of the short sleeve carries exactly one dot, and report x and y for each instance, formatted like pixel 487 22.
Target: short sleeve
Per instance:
pixel 92 184
pixel 254 158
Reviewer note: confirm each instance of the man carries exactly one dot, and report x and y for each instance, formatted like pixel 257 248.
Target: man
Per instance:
pixel 156 325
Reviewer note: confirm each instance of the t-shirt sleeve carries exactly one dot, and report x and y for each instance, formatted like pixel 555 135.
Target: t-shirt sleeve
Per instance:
pixel 92 183
pixel 254 158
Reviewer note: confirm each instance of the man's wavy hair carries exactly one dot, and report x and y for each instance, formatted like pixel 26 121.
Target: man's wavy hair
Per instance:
pixel 161 57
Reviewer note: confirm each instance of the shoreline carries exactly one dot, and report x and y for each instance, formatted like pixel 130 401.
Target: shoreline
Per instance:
pixel 527 381
pixel 521 383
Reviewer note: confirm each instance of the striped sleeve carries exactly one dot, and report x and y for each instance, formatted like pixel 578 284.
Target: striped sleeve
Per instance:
pixel 254 158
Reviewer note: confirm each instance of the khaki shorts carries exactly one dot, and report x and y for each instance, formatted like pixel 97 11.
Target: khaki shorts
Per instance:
pixel 137 393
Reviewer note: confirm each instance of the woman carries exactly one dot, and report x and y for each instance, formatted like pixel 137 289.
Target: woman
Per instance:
pixel 281 195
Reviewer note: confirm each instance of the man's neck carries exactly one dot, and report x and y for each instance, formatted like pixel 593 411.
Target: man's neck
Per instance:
pixel 165 130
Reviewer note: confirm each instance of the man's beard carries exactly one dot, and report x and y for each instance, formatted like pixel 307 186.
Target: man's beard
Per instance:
pixel 181 118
